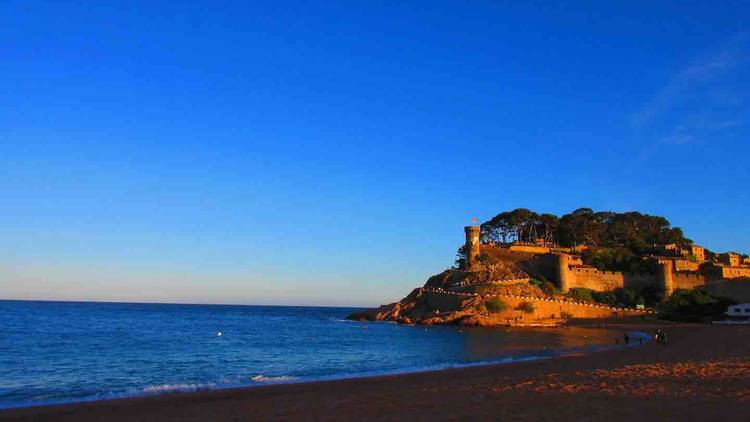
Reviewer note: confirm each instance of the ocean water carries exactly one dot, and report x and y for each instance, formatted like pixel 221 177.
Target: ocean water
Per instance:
pixel 53 352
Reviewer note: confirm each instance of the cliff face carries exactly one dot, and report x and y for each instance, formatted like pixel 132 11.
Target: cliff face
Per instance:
pixel 454 297
pixel 423 306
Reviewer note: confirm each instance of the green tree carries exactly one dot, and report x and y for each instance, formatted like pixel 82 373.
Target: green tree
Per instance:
pixel 526 307
pixel 693 306
pixel 495 305
pixel 548 224
pixel 580 294
pixel 628 234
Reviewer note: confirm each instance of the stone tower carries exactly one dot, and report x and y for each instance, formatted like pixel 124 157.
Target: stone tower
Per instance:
pixel 563 271
pixel 472 247
pixel 665 277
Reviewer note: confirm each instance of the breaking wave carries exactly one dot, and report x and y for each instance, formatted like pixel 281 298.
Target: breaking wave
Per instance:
pixel 281 378
pixel 177 388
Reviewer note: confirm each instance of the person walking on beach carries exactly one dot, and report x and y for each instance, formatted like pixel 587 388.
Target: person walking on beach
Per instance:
pixel 660 336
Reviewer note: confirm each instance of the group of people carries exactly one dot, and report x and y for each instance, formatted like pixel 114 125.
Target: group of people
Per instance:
pixel 626 338
pixel 660 336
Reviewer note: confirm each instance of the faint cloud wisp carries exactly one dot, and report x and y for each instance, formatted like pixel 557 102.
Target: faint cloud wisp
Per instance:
pixel 698 101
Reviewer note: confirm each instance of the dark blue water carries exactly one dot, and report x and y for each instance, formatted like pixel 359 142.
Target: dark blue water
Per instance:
pixel 54 352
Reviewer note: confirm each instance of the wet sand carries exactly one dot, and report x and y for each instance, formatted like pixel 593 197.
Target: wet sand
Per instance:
pixel 703 373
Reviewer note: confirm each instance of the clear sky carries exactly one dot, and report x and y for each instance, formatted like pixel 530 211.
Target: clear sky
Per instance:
pixel 329 153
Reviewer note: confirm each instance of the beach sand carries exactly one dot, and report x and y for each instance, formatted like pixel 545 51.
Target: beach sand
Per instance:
pixel 703 373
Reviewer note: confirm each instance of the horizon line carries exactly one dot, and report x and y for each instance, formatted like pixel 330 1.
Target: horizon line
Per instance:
pixel 173 303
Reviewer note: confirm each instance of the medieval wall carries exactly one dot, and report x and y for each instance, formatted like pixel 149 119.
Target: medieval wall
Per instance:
pixel 550 265
pixel 510 255
pixel 544 265
pixel 735 272
pixel 593 279
pixel 529 248
pixel 642 281
pixel 687 281
pixel 556 308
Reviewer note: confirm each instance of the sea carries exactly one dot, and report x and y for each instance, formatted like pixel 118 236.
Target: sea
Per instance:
pixel 61 352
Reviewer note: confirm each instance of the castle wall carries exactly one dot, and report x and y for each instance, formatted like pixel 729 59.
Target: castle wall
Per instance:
pixel 665 279
pixel 557 268
pixel 687 281
pixel 735 272
pixel 715 272
pixel 513 256
pixel 545 265
pixel 535 249
pixel 641 281
pixel 555 308
pixel 593 279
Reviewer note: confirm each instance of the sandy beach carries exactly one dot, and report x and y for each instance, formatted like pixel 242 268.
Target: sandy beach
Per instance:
pixel 703 373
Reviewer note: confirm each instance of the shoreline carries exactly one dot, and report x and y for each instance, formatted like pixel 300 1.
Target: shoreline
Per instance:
pixel 182 389
pixel 474 390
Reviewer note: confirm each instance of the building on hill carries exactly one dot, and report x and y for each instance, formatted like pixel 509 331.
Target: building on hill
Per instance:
pixel 683 264
pixel 699 252
pixel 730 259
pixel 718 271
pixel 669 249
pixel 692 252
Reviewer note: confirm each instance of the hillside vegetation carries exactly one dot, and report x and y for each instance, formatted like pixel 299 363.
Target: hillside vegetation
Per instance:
pixel 583 226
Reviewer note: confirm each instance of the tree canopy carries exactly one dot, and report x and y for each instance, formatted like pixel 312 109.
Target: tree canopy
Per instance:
pixel 584 226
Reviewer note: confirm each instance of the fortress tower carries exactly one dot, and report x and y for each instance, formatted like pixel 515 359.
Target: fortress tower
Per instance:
pixel 666 278
pixel 472 246
pixel 563 271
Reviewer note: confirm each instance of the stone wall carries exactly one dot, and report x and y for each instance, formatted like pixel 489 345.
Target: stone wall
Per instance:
pixel 529 248
pixel 544 265
pixel 687 280
pixel 545 309
pixel 735 272
pixel 642 281
pixel 513 256
pixel 593 279
pixel 557 268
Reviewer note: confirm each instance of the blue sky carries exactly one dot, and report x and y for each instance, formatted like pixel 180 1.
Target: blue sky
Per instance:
pixel 329 153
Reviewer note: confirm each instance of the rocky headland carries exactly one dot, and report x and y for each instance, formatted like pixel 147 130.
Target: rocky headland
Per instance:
pixel 524 268
pixel 496 294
